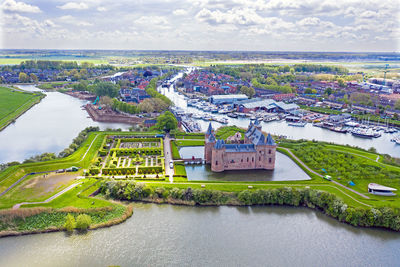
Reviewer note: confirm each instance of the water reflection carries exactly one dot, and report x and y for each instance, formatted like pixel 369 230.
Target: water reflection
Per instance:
pixel 285 169
pixel 210 236
pixel 49 126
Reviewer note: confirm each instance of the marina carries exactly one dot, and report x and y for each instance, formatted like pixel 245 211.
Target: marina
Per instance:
pixel 318 127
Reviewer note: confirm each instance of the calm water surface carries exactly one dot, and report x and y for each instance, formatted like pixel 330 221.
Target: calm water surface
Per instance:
pixel 285 169
pixel 48 126
pixel 164 235
pixel 382 144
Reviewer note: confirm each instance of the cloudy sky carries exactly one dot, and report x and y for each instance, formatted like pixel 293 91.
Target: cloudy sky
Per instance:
pixel 269 25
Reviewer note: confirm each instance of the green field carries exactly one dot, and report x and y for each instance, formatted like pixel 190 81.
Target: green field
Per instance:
pixel 14 102
pixel 343 163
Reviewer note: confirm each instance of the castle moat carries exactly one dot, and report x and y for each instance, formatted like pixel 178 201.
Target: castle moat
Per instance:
pixel 285 169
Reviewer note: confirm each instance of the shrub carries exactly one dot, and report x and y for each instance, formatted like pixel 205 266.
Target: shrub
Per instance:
pixel 83 222
pixel 69 223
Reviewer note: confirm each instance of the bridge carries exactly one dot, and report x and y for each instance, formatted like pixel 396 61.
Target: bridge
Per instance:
pixel 192 160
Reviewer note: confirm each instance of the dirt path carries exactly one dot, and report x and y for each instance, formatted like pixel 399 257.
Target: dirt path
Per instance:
pixel 320 175
pixel 17 206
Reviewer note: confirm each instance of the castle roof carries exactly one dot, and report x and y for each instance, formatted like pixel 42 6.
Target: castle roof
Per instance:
pixel 211 138
pixel 240 148
pixel 219 144
pixel 209 130
pixel 270 140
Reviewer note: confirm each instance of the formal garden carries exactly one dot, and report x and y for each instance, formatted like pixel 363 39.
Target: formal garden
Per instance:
pixel 130 157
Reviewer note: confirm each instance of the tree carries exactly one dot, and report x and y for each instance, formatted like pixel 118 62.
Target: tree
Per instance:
pixel 83 221
pixel 106 101
pixel 23 77
pixel 308 91
pixel 341 82
pixel 250 92
pixel 166 121
pixel 106 89
pixel 397 105
pixel 69 223
pixel 33 77
pixel 152 105
pixel 328 91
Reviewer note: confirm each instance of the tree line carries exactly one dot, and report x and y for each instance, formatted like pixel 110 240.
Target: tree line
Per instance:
pixel 328 203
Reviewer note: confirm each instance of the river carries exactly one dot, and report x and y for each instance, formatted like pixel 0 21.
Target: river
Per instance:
pixel 48 126
pixel 166 235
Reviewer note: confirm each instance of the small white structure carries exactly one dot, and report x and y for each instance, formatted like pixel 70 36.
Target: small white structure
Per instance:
pixel 381 190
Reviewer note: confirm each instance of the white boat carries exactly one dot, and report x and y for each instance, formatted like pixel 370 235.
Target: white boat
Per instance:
pixel 297 124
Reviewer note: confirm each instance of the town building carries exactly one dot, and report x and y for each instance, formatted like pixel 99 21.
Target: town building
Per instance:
pixel 227 99
pixel 255 152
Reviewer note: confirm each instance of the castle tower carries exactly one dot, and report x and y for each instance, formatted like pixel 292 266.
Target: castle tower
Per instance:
pixel 218 151
pixel 270 150
pixel 209 143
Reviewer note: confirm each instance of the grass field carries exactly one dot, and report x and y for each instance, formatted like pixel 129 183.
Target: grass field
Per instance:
pixel 38 188
pixel 13 103
pixel 16 61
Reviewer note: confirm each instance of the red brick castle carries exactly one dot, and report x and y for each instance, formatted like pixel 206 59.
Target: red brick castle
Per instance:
pixel 255 152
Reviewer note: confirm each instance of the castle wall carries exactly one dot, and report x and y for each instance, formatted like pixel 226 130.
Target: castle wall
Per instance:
pixel 208 147
pixel 217 163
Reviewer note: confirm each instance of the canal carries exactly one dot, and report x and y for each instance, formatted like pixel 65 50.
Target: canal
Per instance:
pixel 166 235
pixel 382 144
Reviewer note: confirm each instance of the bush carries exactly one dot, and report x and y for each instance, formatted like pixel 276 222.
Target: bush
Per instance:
pixel 83 221
pixel 69 223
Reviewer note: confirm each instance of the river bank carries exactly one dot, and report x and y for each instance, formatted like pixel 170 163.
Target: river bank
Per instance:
pixel 7 99
pixel 30 221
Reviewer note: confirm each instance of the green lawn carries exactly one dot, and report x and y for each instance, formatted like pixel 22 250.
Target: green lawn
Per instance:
pixel 189 142
pixel 14 102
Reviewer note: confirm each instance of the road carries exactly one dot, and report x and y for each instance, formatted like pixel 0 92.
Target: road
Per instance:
pixel 168 158
pixel 17 206
pixel 320 175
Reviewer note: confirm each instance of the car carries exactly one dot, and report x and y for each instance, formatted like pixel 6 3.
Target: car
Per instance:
pixel 328 178
pixel 171 164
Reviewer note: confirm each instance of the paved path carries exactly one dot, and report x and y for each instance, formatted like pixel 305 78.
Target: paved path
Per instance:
pixel 168 158
pixel 17 206
pixel 377 158
pixel 320 175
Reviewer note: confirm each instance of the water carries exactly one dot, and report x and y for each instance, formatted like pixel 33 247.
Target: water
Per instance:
pixel 285 169
pixel 165 235
pixel 49 126
pixel 382 144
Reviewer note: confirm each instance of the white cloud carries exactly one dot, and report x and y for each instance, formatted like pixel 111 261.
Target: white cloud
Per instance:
pixel 74 6
pixel 309 21
pixel 179 12
pixel 14 6
pixel 101 9
pixel 68 19
pixel 152 20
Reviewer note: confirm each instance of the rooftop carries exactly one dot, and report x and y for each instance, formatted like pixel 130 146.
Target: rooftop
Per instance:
pixel 229 96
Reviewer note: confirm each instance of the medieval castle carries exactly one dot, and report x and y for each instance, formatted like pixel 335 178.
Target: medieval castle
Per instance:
pixel 254 152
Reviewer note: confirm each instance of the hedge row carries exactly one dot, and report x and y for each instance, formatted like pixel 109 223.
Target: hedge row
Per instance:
pixel 328 203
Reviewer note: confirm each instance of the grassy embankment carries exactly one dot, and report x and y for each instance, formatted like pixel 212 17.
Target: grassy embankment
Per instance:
pixel 13 103
pixel 78 196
